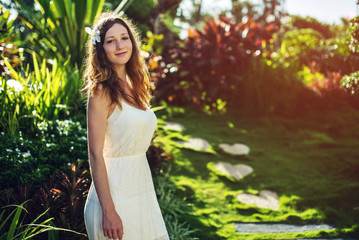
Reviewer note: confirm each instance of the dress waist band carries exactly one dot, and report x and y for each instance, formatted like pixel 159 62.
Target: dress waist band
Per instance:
pixel 127 157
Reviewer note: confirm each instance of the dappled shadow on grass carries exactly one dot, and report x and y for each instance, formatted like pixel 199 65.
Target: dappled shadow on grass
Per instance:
pixel 311 162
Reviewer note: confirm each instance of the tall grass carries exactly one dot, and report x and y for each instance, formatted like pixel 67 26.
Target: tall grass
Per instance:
pixel 175 208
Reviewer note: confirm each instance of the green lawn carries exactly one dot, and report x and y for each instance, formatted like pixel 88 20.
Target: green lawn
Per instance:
pixel 312 162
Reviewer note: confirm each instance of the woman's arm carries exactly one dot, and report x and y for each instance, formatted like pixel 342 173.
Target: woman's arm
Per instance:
pixel 97 113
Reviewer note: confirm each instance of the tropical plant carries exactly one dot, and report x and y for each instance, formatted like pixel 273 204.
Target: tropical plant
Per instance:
pixel 48 92
pixel 59 27
pixel 5 24
pixel 7 49
pixel 71 185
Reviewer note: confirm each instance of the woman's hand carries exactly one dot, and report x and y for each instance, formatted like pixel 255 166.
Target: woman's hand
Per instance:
pixel 112 225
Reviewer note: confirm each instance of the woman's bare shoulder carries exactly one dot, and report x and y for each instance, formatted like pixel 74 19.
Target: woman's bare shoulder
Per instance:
pixel 99 98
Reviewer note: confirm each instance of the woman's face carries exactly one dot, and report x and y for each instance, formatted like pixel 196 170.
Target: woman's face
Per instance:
pixel 117 45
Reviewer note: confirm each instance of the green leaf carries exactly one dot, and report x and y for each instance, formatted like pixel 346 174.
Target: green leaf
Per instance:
pixel 12 70
pixel 53 234
pixel 36 67
pixel 14 223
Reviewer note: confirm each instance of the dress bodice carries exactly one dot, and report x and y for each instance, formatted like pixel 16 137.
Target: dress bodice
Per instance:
pixel 129 131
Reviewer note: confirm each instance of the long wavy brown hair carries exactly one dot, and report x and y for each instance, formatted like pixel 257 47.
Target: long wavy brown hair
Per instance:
pixel 98 68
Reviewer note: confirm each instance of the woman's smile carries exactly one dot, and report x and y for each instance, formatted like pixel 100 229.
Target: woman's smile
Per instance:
pixel 121 54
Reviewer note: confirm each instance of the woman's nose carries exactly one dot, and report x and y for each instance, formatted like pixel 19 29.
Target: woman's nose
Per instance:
pixel 119 45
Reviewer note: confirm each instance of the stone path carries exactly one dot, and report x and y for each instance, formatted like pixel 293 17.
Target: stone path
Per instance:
pixel 237 171
pixel 235 149
pixel 196 143
pixel 279 227
pixel 265 199
pixel 284 228
pixel 174 126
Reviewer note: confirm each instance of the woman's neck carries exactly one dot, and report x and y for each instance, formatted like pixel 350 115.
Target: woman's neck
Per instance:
pixel 120 72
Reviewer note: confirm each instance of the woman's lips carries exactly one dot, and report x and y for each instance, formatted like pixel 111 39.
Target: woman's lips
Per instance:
pixel 120 54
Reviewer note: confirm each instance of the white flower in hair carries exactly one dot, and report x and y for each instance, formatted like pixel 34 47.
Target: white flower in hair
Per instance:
pixel 95 34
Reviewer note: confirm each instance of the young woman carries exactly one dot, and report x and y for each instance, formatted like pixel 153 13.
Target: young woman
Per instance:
pixel 121 202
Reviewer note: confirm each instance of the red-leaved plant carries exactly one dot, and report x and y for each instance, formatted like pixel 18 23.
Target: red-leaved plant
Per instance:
pixel 210 64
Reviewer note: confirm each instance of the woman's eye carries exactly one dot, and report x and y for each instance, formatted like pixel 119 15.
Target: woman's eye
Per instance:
pixel 125 38
pixel 109 41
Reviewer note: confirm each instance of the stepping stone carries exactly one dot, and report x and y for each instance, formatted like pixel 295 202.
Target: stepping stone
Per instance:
pixel 266 199
pixel 235 149
pixel 279 227
pixel 196 143
pixel 237 171
pixel 174 126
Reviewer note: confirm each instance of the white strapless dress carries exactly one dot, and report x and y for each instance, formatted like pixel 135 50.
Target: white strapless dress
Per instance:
pixel 128 136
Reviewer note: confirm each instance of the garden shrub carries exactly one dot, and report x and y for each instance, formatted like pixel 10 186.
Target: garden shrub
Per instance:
pixel 210 64
pixel 30 156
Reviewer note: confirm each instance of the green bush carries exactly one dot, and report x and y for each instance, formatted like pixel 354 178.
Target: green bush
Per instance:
pixel 28 157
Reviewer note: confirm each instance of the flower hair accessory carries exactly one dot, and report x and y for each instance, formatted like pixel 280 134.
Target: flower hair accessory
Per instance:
pixel 95 34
